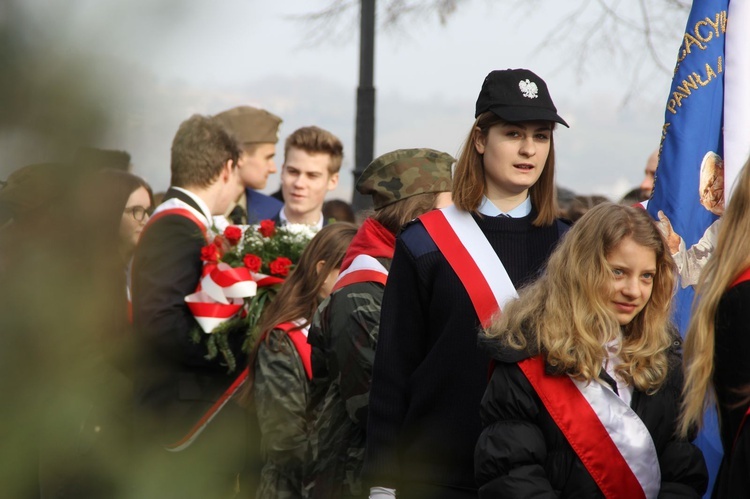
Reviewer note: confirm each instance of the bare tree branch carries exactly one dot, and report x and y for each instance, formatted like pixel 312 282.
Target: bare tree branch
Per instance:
pixel 622 34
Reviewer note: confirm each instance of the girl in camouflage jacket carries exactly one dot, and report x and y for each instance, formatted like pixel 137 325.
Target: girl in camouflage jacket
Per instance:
pixel 280 364
pixel 403 185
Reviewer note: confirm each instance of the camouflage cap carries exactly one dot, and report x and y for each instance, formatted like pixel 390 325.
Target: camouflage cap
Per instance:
pixel 250 125
pixel 404 173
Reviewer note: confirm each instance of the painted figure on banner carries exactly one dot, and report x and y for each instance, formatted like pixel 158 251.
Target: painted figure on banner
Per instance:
pixel 690 261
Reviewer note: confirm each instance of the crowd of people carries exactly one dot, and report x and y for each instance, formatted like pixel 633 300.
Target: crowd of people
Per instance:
pixel 480 333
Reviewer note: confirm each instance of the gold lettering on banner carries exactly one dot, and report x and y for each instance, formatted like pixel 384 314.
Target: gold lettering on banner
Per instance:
pixel 664 130
pixel 663 137
pixel 699 38
pixel 704 38
pixel 693 82
pixel 698 79
pixel 687 84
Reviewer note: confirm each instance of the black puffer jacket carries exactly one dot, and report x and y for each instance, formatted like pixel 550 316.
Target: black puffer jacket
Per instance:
pixel 522 453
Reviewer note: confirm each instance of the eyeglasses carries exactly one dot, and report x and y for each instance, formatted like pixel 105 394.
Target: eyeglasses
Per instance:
pixel 138 212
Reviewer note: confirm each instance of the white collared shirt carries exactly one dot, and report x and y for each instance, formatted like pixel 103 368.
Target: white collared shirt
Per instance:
pixel 284 220
pixel 205 211
pixel 488 209
pixel 624 390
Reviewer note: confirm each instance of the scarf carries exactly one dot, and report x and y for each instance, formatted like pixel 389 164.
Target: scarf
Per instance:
pixel 371 239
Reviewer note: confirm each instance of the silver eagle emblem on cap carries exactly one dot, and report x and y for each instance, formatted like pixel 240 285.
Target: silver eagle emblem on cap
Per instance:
pixel 529 88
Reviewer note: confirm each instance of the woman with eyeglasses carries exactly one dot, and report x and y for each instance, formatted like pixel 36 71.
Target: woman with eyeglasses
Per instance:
pixel 135 214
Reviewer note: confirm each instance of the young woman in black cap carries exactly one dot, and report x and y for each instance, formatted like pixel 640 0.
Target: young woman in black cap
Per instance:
pixel 452 271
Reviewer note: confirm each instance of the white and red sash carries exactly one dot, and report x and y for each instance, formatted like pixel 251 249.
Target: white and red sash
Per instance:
pixel 298 336
pixel 470 255
pixel 364 268
pixel 606 434
pixel 175 206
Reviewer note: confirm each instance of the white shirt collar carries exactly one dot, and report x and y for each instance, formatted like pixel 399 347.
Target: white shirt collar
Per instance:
pixel 201 204
pixel 284 220
pixel 623 388
pixel 488 209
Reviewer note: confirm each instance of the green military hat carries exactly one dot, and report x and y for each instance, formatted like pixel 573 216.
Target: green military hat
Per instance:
pixel 403 173
pixel 250 125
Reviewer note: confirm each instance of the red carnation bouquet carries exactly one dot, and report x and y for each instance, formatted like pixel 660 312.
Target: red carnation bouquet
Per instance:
pixel 243 269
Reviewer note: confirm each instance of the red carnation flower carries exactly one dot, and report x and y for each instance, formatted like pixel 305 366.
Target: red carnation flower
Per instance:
pixel 280 266
pixel 252 262
pixel 211 253
pixel 267 228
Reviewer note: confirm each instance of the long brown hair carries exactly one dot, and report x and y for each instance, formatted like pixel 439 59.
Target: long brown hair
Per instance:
pixel 299 295
pixel 729 259
pixel 469 184
pixel 565 314
pixel 395 215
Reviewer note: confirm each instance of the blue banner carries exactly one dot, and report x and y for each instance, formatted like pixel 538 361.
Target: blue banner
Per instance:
pixel 688 187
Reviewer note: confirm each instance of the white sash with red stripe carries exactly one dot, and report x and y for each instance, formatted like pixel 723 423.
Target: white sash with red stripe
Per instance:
pixel 469 253
pixel 606 434
pixel 364 268
pixel 173 204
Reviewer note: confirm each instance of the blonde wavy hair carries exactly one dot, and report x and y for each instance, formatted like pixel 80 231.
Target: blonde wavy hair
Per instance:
pixel 565 314
pixel 729 259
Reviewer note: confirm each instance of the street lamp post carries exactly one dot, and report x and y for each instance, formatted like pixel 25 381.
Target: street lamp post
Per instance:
pixel 364 134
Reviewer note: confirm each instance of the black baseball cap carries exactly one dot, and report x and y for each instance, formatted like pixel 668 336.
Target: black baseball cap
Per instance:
pixel 517 95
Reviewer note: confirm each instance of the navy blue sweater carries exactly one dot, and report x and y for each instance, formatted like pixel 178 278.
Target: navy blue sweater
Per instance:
pixel 429 374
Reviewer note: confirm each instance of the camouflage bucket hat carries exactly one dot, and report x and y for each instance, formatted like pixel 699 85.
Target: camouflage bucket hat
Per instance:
pixel 404 173
pixel 250 125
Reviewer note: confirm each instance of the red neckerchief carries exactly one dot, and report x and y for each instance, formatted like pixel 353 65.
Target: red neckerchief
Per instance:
pixel 371 239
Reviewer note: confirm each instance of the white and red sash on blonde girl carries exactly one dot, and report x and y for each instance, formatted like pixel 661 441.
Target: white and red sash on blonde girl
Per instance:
pixel 470 255
pixel 606 434
pixel 364 268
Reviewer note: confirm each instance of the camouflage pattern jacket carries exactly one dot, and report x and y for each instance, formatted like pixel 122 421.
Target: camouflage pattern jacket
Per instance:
pixel 281 393
pixel 343 338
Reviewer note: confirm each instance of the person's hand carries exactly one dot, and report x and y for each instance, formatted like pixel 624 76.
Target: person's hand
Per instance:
pixel 673 238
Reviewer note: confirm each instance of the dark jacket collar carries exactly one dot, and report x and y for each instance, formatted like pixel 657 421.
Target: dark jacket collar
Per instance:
pixel 174 193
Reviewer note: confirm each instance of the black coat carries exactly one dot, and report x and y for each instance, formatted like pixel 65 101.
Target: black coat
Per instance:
pixel 731 375
pixel 175 384
pixel 522 453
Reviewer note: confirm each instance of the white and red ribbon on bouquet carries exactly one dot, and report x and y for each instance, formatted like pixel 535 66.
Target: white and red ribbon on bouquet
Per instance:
pixel 220 295
pixel 222 291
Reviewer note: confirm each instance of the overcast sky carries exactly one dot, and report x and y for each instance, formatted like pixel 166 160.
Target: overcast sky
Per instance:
pixel 174 58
